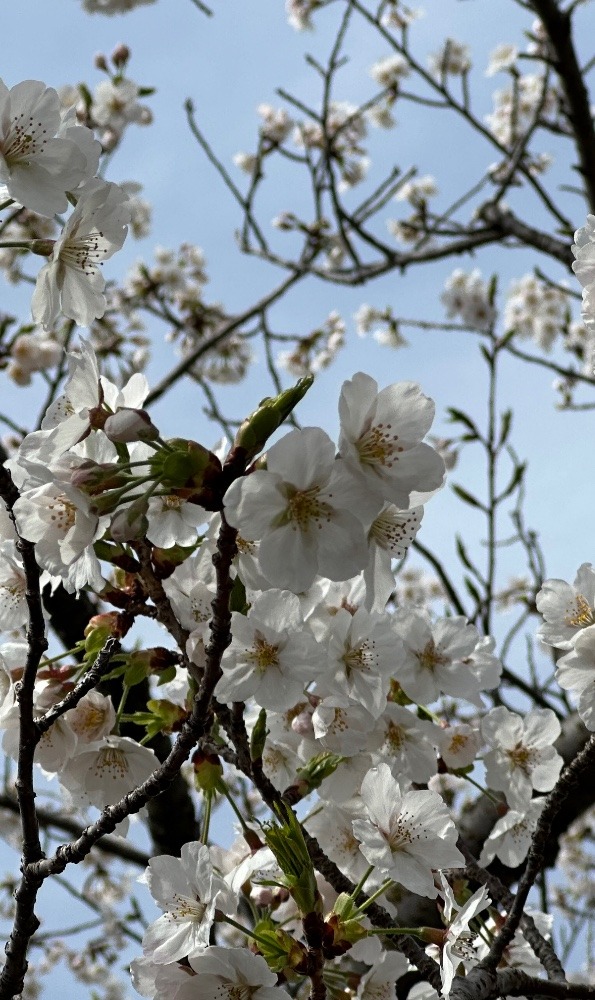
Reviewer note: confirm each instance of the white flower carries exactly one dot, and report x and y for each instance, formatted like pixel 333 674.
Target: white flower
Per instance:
pixel 390 71
pixel 173 521
pixel 523 757
pixel 333 828
pixel 379 983
pixel 389 536
pixel 37 168
pixel 13 588
pixel 458 943
pixel 510 837
pixel 271 658
pixel 231 973
pixel 576 673
pixel 567 609
pixel 408 745
pixel 381 436
pixel 189 891
pixel 468 296
pixel 434 658
pixel 406 835
pixel 92 719
pixel 583 249
pixel 361 650
pixel 300 511
pixel 56 517
pixel 458 745
pixel 453 58
pixel 115 105
pixel 501 58
pixel 112 6
pixel 106 771
pixel 344 727
pixel 71 283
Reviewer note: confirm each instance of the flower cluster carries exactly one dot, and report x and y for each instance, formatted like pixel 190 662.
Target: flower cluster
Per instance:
pixel 568 611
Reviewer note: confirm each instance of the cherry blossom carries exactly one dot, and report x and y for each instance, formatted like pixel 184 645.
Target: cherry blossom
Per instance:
pixel 37 169
pixel 188 890
pixel 231 972
pixel 576 673
pixel 510 837
pixel 107 770
pixel 71 284
pixel 271 658
pixel 406 835
pixel 523 757
pixel 567 609
pixel 58 519
pixel 434 658
pixel 300 511
pixel 361 650
pixel 408 744
pixel 458 941
pixel 381 438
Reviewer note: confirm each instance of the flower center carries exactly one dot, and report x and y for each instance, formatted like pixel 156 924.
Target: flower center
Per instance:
pixel 25 139
pixel 186 908
pixel 394 737
pixel 521 757
pixel 430 658
pixel 304 507
pixel 263 654
pixel 112 761
pixel 171 502
pixel 359 658
pixel 581 615
pixel 378 446
pixel 83 253
pixel 62 512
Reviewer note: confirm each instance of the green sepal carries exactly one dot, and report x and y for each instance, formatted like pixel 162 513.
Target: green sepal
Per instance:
pixel 286 841
pixel 258 736
pixel 272 411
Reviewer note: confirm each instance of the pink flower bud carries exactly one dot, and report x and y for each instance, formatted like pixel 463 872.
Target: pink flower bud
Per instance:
pixel 130 523
pixel 127 425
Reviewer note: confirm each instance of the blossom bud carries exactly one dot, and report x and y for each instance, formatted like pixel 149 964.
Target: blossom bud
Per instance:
pixel 120 55
pixel 208 772
pixel 100 62
pixel 109 139
pixel 185 466
pixel 91 477
pixel 108 621
pixel 156 659
pixel 255 431
pixel 127 425
pixel 130 523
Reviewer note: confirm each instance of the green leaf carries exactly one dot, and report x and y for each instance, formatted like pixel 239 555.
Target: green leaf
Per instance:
pixel 467 497
pixel 457 416
pixel 237 599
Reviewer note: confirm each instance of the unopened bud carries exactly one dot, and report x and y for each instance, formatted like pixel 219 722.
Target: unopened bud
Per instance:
pixel 91 477
pixel 108 621
pixel 156 659
pixel 208 772
pixel 130 523
pixel 100 62
pixel 255 431
pixel 127 425
pixel 120 55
